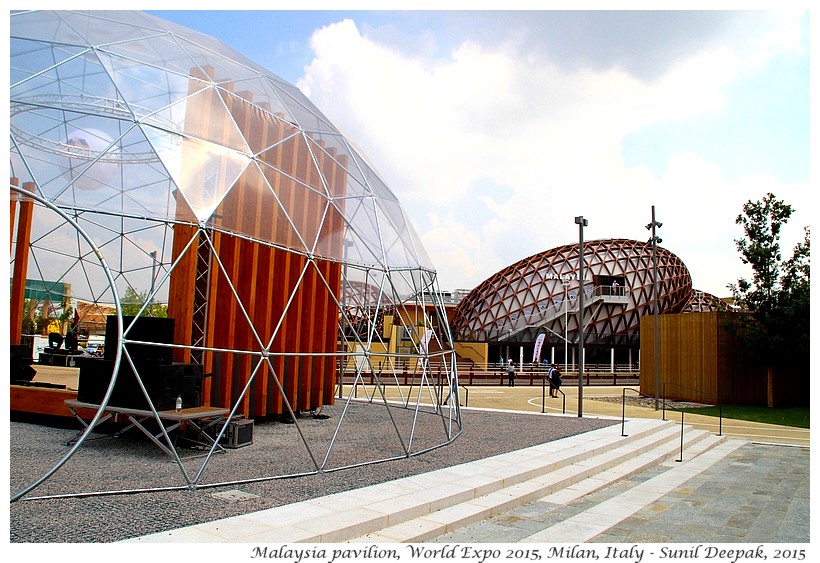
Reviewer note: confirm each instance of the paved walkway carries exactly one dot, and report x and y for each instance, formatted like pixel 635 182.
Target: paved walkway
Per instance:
pixel 753 488
pixel 756 493
pixel 531 399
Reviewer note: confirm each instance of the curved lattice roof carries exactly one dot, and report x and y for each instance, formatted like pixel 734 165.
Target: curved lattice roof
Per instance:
pixel 541 292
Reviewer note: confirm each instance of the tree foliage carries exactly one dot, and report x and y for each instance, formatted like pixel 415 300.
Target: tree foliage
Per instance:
pixel 132 303
pixel 776 332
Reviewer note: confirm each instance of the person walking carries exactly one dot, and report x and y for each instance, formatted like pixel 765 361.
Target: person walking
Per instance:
pixel 555 381
pixel 510 373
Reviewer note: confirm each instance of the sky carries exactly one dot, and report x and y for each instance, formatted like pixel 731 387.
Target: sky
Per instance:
pixel 496 128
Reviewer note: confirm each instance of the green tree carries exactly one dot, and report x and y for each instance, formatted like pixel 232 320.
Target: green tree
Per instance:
pixel 776 330
pixel 132 302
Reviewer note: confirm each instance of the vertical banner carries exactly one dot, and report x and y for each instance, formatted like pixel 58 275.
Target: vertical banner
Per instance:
pixel 424 347
pixel 536 353
pixel 425 340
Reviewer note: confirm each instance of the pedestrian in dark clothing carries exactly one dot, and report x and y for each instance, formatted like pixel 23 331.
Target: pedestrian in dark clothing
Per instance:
pixel 510 373
pixel 555 381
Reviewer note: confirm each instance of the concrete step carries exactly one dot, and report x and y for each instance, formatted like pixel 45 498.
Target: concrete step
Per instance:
pixel 596 520
pixel 667 454
pixel 423 506
pixel 557 483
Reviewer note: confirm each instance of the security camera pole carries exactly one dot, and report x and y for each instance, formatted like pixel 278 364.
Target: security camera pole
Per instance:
pixel 581 222
pixel 654 241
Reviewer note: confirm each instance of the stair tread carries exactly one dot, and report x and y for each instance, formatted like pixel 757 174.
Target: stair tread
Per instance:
pixel 628 464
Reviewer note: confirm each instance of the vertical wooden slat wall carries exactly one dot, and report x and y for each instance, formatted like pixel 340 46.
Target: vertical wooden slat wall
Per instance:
pixel 18 287
pixel 250 206
pixel 739 383
pixel 183 279
pixel 274 260
pixel 265 277
pixel 181 290
pixel 687 345
pixel 700 360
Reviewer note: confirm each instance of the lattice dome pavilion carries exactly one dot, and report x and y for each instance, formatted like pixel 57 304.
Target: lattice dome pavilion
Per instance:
pixel 540 295
pixel 154 163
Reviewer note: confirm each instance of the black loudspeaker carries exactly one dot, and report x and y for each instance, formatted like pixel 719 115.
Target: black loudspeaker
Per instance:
pixel 55 340
pixel 95 375
pixel 21 360
pixel 71 343
pixel 145 329
pixel 164 383
pixel 177 380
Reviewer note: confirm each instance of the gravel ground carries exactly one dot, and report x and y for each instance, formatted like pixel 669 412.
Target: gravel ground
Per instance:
pixel 129 463
pixel 648 402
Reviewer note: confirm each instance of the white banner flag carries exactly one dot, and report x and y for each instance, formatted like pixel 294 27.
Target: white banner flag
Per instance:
pixel 536 354
pixel 425 340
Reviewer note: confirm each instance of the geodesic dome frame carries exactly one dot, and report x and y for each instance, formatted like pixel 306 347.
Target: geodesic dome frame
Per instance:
pixel 154 161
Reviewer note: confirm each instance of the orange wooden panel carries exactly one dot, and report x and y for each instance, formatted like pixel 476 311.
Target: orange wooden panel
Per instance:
pixel 278 299
pixel 20 271
pixel 265 277
pixel 181 288
pixel 41 400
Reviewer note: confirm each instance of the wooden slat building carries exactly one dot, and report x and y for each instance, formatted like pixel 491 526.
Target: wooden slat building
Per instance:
pixel 290 299
pixel 702 361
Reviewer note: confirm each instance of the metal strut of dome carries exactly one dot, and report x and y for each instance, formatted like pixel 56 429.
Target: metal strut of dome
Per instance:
pixel 217 194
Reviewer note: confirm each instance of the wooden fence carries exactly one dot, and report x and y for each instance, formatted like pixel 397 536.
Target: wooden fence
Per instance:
pixel 472 374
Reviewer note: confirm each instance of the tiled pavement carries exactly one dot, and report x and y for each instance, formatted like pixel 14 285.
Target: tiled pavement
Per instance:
pixel 736 491
pixel 758 493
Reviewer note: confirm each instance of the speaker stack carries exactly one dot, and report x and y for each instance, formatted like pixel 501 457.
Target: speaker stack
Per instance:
pixel 164 383
pixel 163 380
pixel 21 360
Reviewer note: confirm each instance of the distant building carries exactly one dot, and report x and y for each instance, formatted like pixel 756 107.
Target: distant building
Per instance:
pixel 540 295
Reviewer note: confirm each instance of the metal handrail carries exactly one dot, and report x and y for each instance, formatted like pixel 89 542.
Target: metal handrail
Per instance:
pixel 719 405
pixel 466 396
pixel 544 397
pixel 623 417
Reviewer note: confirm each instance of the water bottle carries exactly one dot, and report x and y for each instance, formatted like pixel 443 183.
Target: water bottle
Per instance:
pixel 179 403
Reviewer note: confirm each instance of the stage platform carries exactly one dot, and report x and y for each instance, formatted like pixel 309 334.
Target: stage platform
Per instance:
pixel 47 392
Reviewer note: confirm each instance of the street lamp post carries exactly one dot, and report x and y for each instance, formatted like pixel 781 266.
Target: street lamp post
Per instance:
pixel 654 241
pixel 153 255
pixel 581 222
pixel 566 326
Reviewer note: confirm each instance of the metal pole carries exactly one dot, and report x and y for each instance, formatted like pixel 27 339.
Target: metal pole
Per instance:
pixel 581 222
pixel 655 240
pixel 655 318
pixel 566 317
pixel 153 254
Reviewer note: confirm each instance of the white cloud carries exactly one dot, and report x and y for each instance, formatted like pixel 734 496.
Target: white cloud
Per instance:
pixel 550 139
